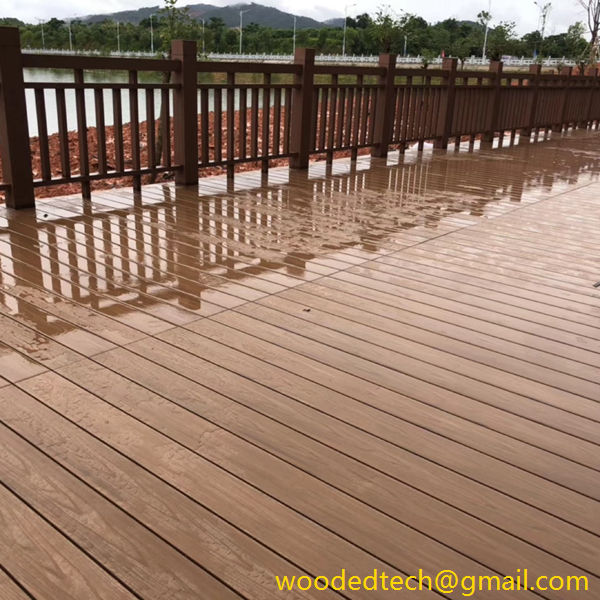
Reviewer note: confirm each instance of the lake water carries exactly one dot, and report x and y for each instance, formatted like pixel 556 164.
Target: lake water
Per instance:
pixel 62 76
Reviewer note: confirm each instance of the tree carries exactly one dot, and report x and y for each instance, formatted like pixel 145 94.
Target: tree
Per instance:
pixel 592 8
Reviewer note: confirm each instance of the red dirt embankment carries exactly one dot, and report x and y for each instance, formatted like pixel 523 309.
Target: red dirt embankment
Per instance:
pixel 92 139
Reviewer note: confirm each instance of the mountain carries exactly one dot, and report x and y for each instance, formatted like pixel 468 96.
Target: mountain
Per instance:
pixel 267 16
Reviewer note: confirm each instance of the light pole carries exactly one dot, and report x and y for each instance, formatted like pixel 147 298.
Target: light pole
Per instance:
pixel 345 21
pixel 151 34
pixel 544 10
pixel 41 22
pixel 488 18
pixel 70 36
pixel 294 37
pixel 405 40
pixel 118 38
pixel 203 38
pixel 242 26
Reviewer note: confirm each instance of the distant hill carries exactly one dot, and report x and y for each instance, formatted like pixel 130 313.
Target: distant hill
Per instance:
pixel 267 16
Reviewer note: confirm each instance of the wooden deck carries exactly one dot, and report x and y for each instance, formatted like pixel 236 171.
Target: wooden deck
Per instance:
pixel 392 367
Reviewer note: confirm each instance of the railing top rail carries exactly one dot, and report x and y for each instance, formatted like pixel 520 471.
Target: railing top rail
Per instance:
pixel 246 67
pixel 348 70
pixel 51 61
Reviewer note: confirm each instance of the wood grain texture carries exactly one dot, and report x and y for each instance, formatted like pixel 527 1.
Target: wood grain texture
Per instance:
pixel 45 562
pixel 369 366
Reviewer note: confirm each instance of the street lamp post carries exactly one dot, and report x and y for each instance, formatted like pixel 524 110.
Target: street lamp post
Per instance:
pixel 151 34
pixel 203 37
pixel 118 38
pixel 345 26
pixel 405 41
pixel 242 26
pixel 294 37
pixel 487 28
pixel 41 22
pixel 70 36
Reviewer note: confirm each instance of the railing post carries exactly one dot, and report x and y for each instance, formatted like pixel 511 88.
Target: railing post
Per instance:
pixel 301 118
pixel 384 107
pixel 185 112
pixel 447 106
pixel 535 71
pixel 565 72
pixel 14 132
pixel 494 106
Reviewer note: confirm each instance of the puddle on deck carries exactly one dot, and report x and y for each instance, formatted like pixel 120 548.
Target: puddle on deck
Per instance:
pixel 138 266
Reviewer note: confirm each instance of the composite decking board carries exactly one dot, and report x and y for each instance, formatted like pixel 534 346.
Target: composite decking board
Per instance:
pixel 183 200
pixel 48 304
pixel 539 294
pixel 225 299
pixel 45 562
pixel 480 297
pixel 581 476
pixel 535 382
pixel 26 340
pixel 9 589
pixel 442 318
pixel 291 535
pixel 498 314
pixel 174 526
pixel 419 511
pixel 552 262
pixel 497 264
pixel 448 419
pixel 15 366
pixel 452 488
pixel 135 555
pixel 507 251
pixel 408 436
pixel 418 363
pixel 189 245
pixel 157 307
pixel 32 288
pixel 462 339
pixel 382 535
pixel 402 378
pixel 265 279
pixel 491 272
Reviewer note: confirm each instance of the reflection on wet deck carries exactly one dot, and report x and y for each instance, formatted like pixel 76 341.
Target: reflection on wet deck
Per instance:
pixel 425 330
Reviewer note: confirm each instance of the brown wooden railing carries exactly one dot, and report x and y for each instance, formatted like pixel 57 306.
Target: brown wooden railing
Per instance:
pixel 255 112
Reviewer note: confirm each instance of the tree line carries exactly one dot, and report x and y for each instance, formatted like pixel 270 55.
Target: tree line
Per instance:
pixel 365 35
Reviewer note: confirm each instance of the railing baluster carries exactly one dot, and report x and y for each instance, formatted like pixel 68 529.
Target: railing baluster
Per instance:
pixel 100 131
pixel 84 159
pixel 150 129
pixel 40 108
pixel 230 124
pixel 118 130
pixel 254 124
pixel 276 121
pixel 63 135
pixel 266 121
pixel 134 125
pixel 218 123
pixel 204 127
pixel 242 115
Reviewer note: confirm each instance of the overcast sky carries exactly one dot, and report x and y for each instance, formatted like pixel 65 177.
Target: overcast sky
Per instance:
pixel 524 12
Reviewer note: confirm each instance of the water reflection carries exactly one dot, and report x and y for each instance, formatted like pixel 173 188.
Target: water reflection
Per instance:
pixel 170 256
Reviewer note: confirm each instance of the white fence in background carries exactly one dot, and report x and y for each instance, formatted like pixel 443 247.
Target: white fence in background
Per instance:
pixel 509 61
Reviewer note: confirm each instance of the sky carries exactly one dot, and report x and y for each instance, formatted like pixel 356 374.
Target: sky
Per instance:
pixel 524 12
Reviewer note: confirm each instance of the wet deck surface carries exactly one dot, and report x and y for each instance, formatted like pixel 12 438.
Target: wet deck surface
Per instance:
pixel 394 368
